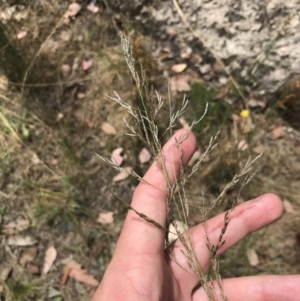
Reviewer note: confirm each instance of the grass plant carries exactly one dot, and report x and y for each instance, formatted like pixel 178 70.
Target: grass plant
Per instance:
pixel 144 127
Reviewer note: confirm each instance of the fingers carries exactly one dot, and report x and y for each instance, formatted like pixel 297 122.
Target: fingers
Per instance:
pixel 245 218
pixel 150 199
pixel 257 288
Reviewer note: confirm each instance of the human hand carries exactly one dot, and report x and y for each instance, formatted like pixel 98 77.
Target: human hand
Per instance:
pixel 141 271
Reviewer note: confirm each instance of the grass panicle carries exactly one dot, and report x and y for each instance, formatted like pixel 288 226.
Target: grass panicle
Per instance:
pixel 143 126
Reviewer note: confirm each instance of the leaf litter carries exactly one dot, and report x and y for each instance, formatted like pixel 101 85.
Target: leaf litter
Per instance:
pixel 144 156
pixel 252 257
pixel 15 227
pixel 105 218
pixel 21 241
pixel 93 8
pixel 178 68
pixel 50 257
pixel 124 174
pixel 107 128
pixel 74 270
pixel 116 156
pixel 288 207
pixel 28 256
pixel 72 11
pixel 86 65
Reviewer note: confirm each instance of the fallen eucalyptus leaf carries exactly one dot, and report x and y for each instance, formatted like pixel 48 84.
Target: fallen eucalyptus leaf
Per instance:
pixel 82 276
pixel 124 174
pixel 107 128
pixel 116 156
pixel 144 156
pixel 86 65
pixel 21 241
pixel 27 256
pixel 252 257
pixel 105 218
pixel 288 207
pixel 50 257
pixel 178 68
pixel 93 8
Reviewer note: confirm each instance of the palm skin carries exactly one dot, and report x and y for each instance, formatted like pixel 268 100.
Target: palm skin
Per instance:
pixel 141 271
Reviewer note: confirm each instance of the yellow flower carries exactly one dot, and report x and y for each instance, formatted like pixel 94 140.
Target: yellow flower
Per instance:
pixel 245 113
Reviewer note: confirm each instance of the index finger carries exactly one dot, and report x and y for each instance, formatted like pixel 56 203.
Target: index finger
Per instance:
pixel 150 197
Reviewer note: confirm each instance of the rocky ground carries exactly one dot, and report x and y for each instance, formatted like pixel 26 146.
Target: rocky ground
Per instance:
pixel 257 40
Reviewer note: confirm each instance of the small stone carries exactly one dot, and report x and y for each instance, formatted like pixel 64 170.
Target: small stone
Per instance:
pixel 204 69
pixel 186 53
pixel 223 80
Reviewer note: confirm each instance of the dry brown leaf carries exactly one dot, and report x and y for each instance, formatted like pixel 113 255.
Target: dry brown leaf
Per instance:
pixel 180 83
pixel 50 257
pixel 178 68
pixel 79 115
pixel 65 275
pixel 81 95
pixel 65 70
pixel 82 276
pixel 32 269
pixel 71 263
pixel 93 8
pixel 66 35
pixel 124 174
pixel 288 207
pixel 14 227
pixel 184 123
pixel 21 34
pixel 196 157
pixel 108 128
pixel 22 224
pixel 105 218
pixel 236 117
pixel 72 11
pixel 144 156
pixel 35 159
pixel 222 93
pixel 21 241
pixel 28 256
pixel 116 156
pixel 278 132
pixel 86 65
pixel 217 67
pixel 243 145
pixel 252 257
pixel 259 149
pixel 180 228
pixel 5 273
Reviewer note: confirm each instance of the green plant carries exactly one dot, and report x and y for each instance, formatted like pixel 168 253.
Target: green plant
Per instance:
pixel 24 290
